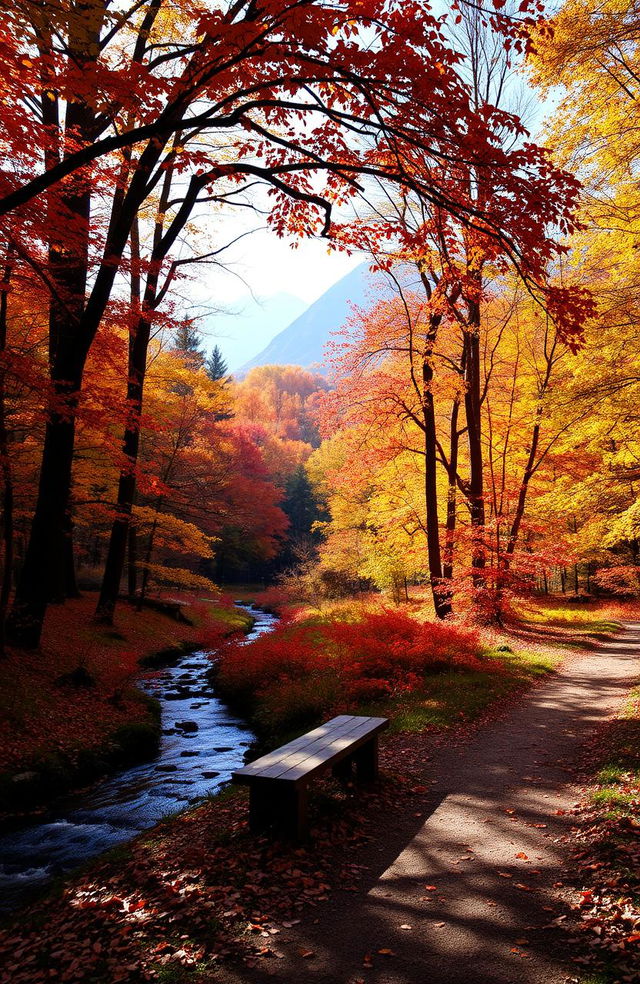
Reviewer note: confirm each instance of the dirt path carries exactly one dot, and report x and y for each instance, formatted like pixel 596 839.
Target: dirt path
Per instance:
pixel 490 850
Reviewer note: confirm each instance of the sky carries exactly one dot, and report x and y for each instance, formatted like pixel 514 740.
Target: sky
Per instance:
pixel 266 265
pixel 259 267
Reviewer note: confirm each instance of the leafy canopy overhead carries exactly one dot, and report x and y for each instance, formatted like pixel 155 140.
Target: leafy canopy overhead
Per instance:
pixel 310 98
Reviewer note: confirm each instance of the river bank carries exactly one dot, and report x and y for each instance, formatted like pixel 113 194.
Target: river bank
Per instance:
pixel 201 743
pixel 70 711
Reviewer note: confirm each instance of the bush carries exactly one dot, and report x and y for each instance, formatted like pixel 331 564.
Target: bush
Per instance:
pixel 621 582
pixel 302 672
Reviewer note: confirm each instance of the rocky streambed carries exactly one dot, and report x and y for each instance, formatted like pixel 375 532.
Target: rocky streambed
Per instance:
pixel 202 743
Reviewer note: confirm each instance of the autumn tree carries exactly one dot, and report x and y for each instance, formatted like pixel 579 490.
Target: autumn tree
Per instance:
pixel 276 405
pixel 109 99
pixel 455 265
pixel 589 55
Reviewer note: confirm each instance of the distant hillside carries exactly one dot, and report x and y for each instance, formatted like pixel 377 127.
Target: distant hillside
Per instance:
pixel 250 326
pixel 302 342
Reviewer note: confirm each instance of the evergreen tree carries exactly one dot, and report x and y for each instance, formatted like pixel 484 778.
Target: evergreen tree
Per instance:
pixel 215 366
pixel 188 341
pixel 300 505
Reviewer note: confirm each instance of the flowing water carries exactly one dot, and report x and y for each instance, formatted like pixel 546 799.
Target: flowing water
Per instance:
pixel 202 743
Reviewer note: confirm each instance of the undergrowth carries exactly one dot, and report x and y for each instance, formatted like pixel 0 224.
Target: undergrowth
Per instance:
pixel 356 660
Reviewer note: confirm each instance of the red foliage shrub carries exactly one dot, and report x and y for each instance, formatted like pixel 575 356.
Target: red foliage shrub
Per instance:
pixel 620 582
pixel 303 671
pixel 274 599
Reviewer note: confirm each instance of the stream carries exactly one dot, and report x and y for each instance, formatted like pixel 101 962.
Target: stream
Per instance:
pixel 202 744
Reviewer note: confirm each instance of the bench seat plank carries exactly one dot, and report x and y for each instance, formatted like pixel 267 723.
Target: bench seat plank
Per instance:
pixel 332 749
pixel 298 760
pixel 332 753
pixel 308 750
pixel 278 754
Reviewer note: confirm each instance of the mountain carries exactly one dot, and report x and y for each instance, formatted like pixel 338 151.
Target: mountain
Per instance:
pixel 302 342
pixel 243 332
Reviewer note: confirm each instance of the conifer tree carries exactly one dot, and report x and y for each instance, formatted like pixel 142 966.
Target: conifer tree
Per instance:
pixel 215 365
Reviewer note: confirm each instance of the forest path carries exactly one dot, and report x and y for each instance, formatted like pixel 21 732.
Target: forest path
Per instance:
pixel 491 849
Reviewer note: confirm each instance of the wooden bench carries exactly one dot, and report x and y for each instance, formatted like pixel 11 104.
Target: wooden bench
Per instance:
pixel 279 781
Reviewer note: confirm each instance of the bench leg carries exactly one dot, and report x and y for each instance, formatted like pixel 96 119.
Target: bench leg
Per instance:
pixel 296 820
pixel 281 809
pixel 343 770
pixel 260 809
pixel 366 759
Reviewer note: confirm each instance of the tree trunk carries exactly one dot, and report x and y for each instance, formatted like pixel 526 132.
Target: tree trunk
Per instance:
pixel 452 494
pixel 127 482
pixel 475 485
pixel 441 599
pixel 41 573
pixel 132 565
pixel 147 562
pixel 70 577
pixel 7 474
pixel 522 495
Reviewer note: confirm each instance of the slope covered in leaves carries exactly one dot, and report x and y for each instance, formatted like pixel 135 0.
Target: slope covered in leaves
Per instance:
pixel 66 702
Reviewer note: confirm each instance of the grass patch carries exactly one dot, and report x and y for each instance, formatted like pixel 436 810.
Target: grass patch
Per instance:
pixel 609 797
pixel 445 699
pixel 591 619
pixel 609 774
pixel 176 974
pixel 448 698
